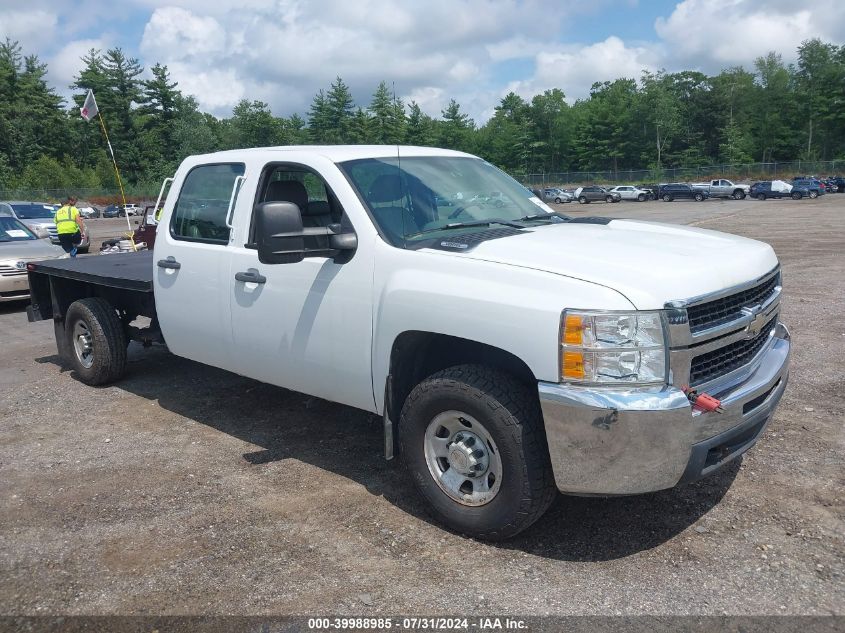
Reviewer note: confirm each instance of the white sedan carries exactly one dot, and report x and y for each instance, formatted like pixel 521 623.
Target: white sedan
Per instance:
pixel 629 192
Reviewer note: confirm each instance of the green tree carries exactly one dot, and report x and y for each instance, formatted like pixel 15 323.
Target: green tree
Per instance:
pixel 420 127
pixel 456 128
pixel 339 111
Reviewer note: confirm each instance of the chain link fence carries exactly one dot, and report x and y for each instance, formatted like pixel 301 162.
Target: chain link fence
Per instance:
pixel 750 171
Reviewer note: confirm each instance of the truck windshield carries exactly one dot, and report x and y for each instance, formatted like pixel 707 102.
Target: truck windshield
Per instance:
pixel 420 197
pixel 13 231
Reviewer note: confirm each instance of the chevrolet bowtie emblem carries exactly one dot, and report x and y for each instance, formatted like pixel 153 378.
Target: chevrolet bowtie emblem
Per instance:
pixel 757 321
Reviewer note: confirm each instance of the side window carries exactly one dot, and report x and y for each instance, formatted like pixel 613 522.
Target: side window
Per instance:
pixel 200 212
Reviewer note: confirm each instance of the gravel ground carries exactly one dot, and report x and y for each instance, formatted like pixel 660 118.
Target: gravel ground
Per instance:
pixel 188 490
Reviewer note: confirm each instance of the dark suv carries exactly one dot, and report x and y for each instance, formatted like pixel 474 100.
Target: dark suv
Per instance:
pixel 763 190
pixel 815 186
pixel 591 194
pixel 680 191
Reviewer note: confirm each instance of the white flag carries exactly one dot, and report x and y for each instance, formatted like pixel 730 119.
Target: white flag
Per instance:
pixel 89 109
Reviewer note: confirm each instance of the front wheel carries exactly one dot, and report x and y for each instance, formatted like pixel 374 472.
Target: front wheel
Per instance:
pixel 557 200
pixel 699 197
pixel 667 198
pixel 739 195
pixel 583 200
pixel 796 195
pixel 472 440
pixel 641 197
pixel 96 341
pixel 761 196
pixel 608 199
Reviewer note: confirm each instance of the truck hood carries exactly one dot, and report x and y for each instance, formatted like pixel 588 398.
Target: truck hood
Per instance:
pixel 648 262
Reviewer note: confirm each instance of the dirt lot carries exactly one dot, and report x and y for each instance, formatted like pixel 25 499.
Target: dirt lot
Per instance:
pixel 188 490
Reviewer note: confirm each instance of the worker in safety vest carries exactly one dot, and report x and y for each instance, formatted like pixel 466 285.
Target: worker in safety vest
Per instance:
pixel 69 226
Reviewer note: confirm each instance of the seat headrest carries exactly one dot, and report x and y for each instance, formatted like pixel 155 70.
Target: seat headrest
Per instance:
pixel 317 207
pixel 287 191
pixel 386 188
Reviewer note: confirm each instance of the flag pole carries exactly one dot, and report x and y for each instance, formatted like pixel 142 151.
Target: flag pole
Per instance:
pixel 116 173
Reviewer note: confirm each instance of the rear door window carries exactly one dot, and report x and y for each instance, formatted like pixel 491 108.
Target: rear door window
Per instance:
pixel 200 212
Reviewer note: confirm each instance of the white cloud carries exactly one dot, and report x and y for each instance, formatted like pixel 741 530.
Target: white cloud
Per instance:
pixel 28 25
pixel 575 69
pixel 714 34
pixel 67 62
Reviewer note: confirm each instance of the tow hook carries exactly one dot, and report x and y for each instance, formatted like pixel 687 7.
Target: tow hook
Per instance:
pixel 703 402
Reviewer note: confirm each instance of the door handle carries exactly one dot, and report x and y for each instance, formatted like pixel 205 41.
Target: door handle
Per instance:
pixel 170 262
pixel 251 277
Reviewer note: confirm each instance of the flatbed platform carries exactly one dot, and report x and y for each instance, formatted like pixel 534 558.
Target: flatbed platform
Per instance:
pixel 128 271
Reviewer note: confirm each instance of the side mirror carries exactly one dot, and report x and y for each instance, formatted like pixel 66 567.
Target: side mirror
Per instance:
pixel 278 233
pixel 538 193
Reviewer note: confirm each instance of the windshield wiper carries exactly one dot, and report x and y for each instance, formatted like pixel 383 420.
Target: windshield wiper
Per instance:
pixel 463 225
pixel 544 216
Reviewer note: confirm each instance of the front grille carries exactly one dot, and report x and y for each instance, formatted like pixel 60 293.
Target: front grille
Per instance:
pixel 11 271
pixel 732 356
pixel 719 311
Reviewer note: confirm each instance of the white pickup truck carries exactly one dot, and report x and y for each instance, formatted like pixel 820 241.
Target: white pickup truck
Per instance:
pixel 511 351
pixel 721 188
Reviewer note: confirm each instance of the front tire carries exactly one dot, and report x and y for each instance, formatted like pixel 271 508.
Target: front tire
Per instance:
pixel 796 195
pixel 642 197
pixel 667 198
pixel 609 199
pixel 699 197
pixel 583 200
pixel 557 200
pixel 739 195
pixel 96 341
pixel 472 440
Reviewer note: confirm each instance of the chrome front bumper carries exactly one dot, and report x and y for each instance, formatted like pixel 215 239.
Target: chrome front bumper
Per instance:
pixel 605 441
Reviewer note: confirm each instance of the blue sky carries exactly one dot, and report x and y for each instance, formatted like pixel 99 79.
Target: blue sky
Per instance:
pixel 475 51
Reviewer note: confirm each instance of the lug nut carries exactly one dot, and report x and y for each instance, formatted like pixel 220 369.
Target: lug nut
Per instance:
pixel 470 441
pixel 478 453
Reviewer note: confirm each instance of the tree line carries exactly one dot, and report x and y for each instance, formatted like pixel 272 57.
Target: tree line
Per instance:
pixel 775 112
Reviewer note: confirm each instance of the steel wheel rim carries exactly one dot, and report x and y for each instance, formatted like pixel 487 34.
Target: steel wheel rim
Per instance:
pixel 83 344
pixel 462 458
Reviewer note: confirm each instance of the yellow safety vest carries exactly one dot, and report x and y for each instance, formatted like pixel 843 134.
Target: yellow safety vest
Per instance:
pixel 66 220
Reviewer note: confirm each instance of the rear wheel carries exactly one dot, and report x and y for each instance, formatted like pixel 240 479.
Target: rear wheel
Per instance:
pixel 796 195
pixel 96 341
pixel 699 197
pixel 667 198
pixel 472 440
pixel 557 200
pixel 814 194
pixel 761 196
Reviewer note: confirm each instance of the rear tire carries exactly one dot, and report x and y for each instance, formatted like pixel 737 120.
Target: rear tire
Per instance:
pixel 814 194
pixel 96 341
pixel 469 419
pixel 698 197
pixel 761 196
pixel 667 198
pixel 557 200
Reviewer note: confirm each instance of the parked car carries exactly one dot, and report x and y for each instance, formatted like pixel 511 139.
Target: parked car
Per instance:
pixel 675 191
pixel 629 192
pixel 113 211
pixel 835 184
pixel 777 189
pixel 595 193
pixel 721 188
pixel 40 218
pixel 89 212
pixel 19 246
pixel 557 195
pixel 509 354
pixel 815 187
pixel 131 209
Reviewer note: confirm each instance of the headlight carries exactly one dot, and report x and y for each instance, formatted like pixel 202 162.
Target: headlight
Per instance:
pixel 612 347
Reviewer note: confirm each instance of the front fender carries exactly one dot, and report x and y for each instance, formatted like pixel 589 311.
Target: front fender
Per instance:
pixel 512 308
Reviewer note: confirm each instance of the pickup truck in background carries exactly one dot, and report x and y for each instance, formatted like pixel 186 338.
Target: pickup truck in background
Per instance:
pixel 510 351
pixel 722 188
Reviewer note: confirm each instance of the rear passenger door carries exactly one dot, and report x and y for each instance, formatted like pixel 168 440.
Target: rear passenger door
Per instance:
pixel 191 264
